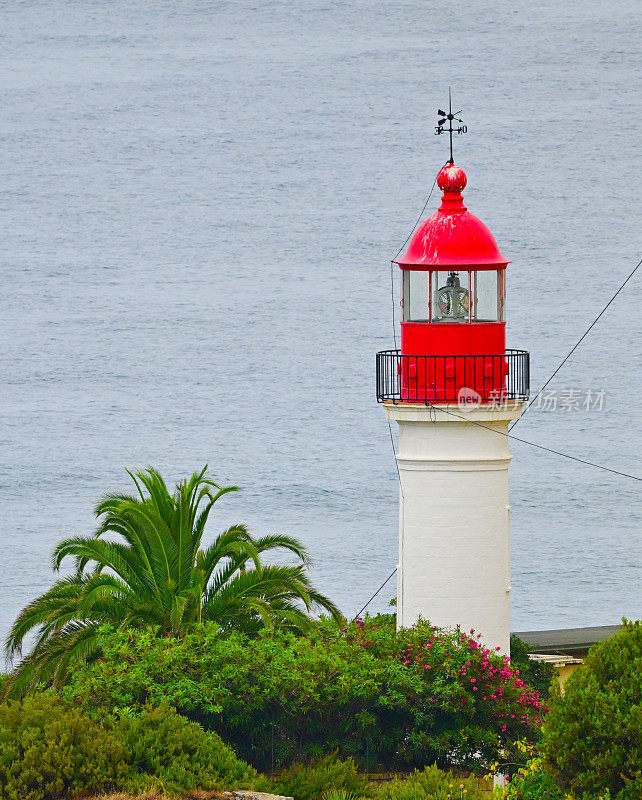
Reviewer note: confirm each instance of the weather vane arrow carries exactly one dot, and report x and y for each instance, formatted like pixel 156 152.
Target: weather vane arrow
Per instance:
pixel 449 118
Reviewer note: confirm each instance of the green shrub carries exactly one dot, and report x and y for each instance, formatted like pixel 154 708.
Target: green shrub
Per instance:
pixel 389 700
pixel 339 794
pixel 49 751
pixel 593 735
pixel 168 753
pixel 538 674
pixel 532 783
pixel 431 783
pixel 312 781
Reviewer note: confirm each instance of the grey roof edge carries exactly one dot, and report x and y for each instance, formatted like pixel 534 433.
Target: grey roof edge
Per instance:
pixel 567 640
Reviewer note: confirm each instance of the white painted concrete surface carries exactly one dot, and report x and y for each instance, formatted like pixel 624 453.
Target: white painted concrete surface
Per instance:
pixel 454 518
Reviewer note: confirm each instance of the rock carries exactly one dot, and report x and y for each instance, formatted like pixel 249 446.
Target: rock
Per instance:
pixel 249 794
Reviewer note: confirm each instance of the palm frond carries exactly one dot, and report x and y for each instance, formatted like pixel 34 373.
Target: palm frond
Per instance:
pixel 280 541
pixel 146 565
pixel 49 662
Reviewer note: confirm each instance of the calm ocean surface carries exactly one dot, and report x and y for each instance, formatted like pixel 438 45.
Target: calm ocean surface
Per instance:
pixel 199 205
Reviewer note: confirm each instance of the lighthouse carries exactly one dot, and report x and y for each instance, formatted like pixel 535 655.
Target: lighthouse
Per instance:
pixel 453 389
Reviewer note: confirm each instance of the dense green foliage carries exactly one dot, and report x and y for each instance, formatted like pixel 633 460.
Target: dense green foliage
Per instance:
pixel 331 778
pixel 538 674
pixel 394 700
pixel 532 783
pixel 165 652
pixel 339 794
pixel 147 565
pixel 313 781
pixel 167 752
pixel 593 735
pixel 431 783
pixel 49 750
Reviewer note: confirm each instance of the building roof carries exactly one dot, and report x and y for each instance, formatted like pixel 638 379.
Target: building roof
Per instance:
pixel 452 236
pixel 572 641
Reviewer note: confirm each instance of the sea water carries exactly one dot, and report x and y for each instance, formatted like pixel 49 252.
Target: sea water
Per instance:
pixel 200 201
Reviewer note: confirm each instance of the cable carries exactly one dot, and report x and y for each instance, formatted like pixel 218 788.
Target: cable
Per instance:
pixel 358 614
pixel 432 189
pixel 508 436
pixel 392 297
pixel 392 442
pixel 407 239
pixel 494 430
pixel 577 344
pixel 538 446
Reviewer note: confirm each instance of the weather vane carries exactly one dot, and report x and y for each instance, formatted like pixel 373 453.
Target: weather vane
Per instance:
pixel 449 118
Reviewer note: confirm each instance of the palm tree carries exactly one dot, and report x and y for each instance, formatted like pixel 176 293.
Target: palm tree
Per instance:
pixel 147 565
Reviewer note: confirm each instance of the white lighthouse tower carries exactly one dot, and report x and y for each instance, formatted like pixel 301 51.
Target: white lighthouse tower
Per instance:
pixel 453 389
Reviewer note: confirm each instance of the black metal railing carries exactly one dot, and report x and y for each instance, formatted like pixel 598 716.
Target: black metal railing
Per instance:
pixel 452 379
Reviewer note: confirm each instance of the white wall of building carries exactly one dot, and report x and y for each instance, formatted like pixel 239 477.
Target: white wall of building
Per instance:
pixel 454 518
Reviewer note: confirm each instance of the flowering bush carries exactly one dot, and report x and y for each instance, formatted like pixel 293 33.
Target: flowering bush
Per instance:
pixel 388 699
pixel 472 704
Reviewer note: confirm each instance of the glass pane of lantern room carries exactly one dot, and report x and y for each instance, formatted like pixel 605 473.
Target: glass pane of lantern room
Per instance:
pixel 486 286
pixel 450 298
pixel 415 296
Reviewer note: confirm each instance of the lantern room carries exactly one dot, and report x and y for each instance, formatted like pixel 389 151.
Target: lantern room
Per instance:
pixel 453 298
pixel 454 285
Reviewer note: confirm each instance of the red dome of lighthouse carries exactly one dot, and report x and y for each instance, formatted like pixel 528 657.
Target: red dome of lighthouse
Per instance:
pixel 452 236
